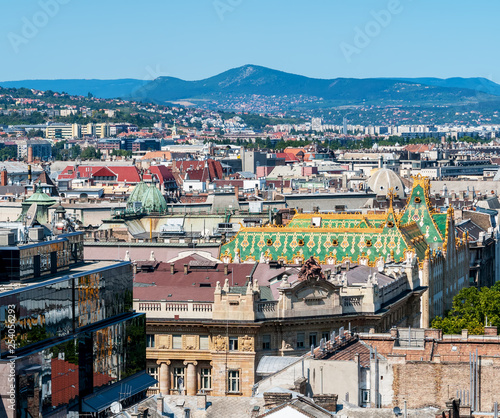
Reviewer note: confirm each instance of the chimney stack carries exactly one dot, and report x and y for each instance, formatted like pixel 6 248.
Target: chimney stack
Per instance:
pixel 29 174
pixel 3 178
pixel 185 269
pixel 30 154
pixel 226 269
pixel 172 268
pixel 236 192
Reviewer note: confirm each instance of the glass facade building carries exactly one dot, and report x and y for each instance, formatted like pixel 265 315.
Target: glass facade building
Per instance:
pixel 71 344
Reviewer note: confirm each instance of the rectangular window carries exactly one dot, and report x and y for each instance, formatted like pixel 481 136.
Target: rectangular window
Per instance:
pixel 325 335
pixel 266 342
pixel 153 372
pixel 177 342
pixel 365 396
pixel 233 343
pixel 300 340
pixel 312 339
pixel 206 379
pixel 233 383
pixel 179 378
pixel 150 340
pixel 203 342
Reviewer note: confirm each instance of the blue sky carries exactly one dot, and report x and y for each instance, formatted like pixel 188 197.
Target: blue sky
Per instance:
pixel 194 39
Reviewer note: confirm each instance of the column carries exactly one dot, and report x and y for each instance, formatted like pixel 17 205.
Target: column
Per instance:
pixel 191 386
pixel 164 377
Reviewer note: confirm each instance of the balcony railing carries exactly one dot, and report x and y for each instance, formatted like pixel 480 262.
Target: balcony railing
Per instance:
pixel 266 310
pixel 175 310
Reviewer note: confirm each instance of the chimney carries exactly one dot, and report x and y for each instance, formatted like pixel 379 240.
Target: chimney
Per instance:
pixel 226 269
pixel 236 192
pixel 3 178
pixel 273 399
pixel 159 404
pixel 201 401
pixel 328 402
pixel 185 269
pixel 172 268
pixel 490 330
pixel 465 334
pixel 30 154
pixel 29 174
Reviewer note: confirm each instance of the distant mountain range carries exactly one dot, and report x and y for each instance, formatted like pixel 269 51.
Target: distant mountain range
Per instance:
pixel 236 86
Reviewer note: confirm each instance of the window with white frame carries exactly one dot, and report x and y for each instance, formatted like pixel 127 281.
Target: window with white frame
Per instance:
pixel 150 340
pixel 206 378
pixel 179 378
pixel 233 381
pixel 153 372
pixel 365 395
pixel 233 343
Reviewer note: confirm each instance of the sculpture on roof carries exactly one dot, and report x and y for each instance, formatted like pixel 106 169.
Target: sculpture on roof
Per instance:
pixel 311 270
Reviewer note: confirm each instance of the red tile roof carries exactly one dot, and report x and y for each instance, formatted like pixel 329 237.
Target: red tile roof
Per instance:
pixel 104 172
pixel 201 170
pixel 185 287
pixel 129 174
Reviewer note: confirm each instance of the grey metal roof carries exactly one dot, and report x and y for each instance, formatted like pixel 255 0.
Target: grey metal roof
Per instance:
pixel 272 364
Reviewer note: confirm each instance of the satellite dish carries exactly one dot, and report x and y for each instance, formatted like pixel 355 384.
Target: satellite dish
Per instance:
pixel 116 407
pixel 396 410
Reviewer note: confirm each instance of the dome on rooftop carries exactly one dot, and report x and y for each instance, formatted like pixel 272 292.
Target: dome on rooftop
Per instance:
pixel 153 200
pixel 137 193
pixel 383 180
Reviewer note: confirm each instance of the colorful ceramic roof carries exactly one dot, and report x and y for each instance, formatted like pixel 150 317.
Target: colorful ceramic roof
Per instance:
pixel 336 237
pixel 419 210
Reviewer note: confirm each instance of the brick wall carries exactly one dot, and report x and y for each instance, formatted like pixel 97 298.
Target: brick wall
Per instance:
pixel 433 384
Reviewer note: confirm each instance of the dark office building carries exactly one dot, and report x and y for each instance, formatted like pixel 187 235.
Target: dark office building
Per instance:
pixel 71 344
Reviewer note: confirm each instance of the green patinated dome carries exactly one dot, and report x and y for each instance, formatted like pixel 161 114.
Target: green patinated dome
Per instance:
pixel 153 200
pixel 40 198
pixel 138 193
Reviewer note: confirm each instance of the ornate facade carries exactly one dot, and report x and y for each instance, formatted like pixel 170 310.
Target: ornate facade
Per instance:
pixel 418 231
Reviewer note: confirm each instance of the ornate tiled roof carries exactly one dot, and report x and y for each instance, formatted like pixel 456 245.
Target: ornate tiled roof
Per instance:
pixel 419 210
pixel 337 237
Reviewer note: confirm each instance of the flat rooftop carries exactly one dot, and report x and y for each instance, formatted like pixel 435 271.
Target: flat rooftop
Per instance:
pixel 72 270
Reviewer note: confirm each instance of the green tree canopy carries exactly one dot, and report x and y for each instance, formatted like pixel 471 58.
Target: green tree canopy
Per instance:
pixel 470 309
pixel 90 153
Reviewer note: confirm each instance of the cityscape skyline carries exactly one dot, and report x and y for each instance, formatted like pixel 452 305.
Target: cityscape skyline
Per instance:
pixel 382 39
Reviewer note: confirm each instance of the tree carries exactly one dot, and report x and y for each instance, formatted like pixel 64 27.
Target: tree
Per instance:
pixel 8 152
pixel 470 309
pixel 75 151
pixel 90 153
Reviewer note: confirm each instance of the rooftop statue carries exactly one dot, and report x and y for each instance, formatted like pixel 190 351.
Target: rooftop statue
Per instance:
pixel 311 270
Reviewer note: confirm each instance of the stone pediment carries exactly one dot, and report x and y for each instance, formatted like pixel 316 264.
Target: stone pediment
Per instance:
pixel 312 293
